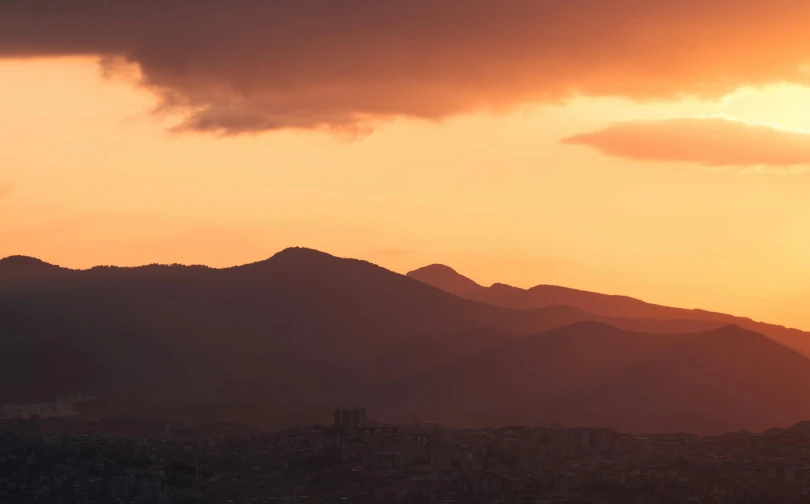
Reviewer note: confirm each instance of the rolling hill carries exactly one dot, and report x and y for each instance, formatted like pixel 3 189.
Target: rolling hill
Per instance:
pixel 194 333
pixel 590 374
pixel 623 307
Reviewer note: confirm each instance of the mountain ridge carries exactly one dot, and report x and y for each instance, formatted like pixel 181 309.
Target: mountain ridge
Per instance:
pixel 303 331
pixel 613 305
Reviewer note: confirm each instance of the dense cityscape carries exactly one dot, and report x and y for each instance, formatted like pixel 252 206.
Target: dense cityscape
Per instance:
pixel 69 460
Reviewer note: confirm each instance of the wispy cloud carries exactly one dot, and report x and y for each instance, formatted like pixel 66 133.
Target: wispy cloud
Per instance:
pixel 710 141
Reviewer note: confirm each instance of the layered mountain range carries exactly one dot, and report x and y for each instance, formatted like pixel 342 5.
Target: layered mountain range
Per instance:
pixel 289 338
pixel 507 296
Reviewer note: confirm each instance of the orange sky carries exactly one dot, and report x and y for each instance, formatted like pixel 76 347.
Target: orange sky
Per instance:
pixel 96 180
pixel 89 175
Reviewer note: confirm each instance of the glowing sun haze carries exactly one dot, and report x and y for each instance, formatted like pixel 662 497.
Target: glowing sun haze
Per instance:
pixel 625 146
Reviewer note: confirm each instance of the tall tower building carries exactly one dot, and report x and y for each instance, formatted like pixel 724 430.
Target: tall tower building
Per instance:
pixel 350 418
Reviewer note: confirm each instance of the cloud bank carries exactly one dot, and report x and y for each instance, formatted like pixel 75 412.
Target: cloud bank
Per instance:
pixel 240 66
pixel 707 141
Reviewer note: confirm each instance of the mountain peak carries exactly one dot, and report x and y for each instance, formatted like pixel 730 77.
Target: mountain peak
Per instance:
pixel 734 332
pixel 25 264
pixel 502 288
pixel 292 256
pixel 21 268
pixel 446 278
pixel 438 269
pixel 23 261
pixel 301 252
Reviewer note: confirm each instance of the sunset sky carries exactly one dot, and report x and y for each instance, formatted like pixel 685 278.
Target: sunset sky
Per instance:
pixel 652 148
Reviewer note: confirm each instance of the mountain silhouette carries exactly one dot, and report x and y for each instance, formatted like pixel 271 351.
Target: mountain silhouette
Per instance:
pixel 710 382
pixel 590 374
pixel 506 296
pixel 29 269
pixel 448 279
pixel 293 336
pixel 300 318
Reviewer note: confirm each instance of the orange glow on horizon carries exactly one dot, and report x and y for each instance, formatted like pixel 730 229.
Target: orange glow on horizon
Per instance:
pixel 98 180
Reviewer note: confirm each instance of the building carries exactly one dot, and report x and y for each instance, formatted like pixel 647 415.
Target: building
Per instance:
pixel 350 418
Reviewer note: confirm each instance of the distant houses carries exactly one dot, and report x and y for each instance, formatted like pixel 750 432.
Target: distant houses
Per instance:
pixel 64 406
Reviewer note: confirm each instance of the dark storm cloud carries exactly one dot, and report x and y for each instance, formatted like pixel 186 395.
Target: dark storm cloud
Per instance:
pixel 234 66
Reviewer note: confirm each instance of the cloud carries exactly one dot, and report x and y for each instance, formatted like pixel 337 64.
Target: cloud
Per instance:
pixel 242 66
pixel 5 189
pixel 712 141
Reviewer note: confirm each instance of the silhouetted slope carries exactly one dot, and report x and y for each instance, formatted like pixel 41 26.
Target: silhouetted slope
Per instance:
pixel 622 307
pixel 517 383
pixel 295 329
pixel 300 333
pixel 427 353
pixel 22 269
pixel 43 370
pixel 597 375
pixel 727 379
pixel 447 279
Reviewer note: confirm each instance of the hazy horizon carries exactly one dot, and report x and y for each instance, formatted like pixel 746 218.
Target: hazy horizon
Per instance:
pixel 90 177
